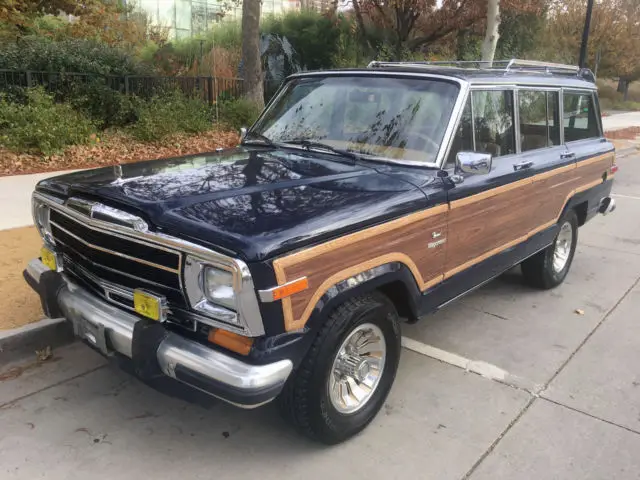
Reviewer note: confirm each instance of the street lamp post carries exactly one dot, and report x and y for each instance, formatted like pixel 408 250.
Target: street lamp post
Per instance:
pixel 582 62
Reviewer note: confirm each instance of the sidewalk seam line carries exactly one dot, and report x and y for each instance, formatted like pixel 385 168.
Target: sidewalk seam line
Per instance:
pixel 589 335
pixel 577 410
pixel 18 399
pixel 495 443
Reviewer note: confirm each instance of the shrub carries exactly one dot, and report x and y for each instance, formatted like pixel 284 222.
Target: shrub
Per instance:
pixel 74 55
pixel 168 114
pixel 238 113
pixel 40 125
pixel 313 36
pixel 106 106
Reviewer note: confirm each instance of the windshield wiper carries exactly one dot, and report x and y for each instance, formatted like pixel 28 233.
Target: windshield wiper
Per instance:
pixel 309 144
pixel 258 136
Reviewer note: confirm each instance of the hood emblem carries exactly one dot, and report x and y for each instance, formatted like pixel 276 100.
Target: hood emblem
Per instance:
pixel 108 214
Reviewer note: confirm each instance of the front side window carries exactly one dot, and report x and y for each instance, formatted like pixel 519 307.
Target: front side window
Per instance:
pixel 485 127
pixel 493 122
pixel 538 119
pixel 580 118
pixel 396 118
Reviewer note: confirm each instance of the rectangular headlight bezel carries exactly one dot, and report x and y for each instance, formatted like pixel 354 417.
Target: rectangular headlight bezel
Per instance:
pixel 195 270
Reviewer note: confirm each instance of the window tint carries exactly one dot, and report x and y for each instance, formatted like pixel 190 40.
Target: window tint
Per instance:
pixel 538 119
pixel 580 120
pixel 493 121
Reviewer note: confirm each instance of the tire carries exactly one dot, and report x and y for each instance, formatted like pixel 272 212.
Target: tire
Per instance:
pixel 306 401
pixel 542 270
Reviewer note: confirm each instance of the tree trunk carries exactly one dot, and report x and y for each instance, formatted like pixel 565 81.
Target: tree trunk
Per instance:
pixel 491 37
pixel 251 65
pixel 623 87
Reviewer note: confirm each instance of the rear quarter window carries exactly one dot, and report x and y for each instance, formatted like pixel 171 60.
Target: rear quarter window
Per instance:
pixel 580 117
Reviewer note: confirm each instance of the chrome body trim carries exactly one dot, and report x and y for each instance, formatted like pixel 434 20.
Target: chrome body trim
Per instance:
pixel 194 288
pixel 175 350
pixel 110 329
pixel 248 311
pixel 117 254
pixel 98 210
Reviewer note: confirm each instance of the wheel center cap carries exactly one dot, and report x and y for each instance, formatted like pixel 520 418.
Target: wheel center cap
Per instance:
pixel 363 370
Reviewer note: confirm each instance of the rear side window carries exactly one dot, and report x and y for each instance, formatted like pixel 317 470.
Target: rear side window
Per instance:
pixel 539 119
pixel 580 118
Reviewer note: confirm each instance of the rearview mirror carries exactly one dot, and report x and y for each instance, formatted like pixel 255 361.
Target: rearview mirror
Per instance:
pixel 473 163
pixel 243 133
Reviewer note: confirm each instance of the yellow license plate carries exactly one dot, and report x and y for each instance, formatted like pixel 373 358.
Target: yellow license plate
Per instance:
pixel 147 305
pixel 49 258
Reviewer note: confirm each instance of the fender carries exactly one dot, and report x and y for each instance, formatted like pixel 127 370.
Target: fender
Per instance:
pixel 394 277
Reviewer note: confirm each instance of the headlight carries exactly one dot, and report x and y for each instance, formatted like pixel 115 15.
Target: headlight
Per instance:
pixel 218 287
pixel 210 290
pixel 40 213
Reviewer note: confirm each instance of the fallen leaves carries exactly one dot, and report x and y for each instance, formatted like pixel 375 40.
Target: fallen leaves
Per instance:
pixel 629 133
pixel 14 372
pixel 115 148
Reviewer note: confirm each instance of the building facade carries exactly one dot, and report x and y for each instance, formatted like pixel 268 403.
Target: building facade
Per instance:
pixel 186 18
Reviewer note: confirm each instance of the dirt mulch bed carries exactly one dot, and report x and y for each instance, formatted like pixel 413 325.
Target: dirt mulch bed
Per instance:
pixel 19 305
pixel 112 149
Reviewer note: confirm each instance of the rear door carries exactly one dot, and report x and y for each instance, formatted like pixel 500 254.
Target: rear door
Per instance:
pixel 584 138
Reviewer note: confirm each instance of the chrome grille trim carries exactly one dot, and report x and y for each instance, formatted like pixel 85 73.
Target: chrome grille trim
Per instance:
pixel 118 254
pixel 113 270
pixel 248 311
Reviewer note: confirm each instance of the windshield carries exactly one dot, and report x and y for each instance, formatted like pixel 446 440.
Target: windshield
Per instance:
pixel 396 118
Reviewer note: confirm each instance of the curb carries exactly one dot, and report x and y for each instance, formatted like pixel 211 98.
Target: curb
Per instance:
pixel 24 341
pixel 625 152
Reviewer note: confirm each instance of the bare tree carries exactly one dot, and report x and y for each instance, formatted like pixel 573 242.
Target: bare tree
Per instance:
pixel 251 65
pixel 492 34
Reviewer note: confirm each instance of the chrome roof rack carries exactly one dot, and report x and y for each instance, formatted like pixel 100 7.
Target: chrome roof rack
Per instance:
pixel 506 66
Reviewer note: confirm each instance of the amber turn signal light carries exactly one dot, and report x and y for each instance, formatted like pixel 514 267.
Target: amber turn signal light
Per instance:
pixel 231 341
pixel 290 288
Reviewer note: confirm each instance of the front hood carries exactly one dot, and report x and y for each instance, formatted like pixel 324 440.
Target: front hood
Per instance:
pixel 254 202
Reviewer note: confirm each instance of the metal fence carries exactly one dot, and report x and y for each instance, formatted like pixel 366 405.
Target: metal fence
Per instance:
pixel 209 89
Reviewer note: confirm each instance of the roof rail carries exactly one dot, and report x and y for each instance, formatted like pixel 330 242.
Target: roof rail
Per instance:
pixel 506 66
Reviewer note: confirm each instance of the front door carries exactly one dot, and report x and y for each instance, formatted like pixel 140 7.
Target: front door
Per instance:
pixel 489 213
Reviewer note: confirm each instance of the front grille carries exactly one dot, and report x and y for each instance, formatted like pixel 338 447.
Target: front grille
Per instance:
pixel 100 259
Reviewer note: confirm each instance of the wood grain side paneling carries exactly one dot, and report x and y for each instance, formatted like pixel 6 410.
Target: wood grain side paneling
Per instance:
pixel 475 228
pixel 483 225
pixel 404 240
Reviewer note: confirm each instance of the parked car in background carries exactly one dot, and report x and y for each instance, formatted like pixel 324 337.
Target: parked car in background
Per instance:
pixel 282 268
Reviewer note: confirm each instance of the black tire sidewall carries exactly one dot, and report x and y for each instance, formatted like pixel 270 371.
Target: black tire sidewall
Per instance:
pixel 337 426
pixel 553 277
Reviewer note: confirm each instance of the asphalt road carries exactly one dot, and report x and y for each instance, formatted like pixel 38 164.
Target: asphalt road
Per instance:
pixel 566 405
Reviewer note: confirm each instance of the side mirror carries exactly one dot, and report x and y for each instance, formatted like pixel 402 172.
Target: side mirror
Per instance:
pixel 243 133
pixel 473 163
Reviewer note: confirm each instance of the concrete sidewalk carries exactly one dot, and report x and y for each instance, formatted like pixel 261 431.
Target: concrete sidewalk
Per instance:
pixel 620 121
pixel 15 198
pixel 75 417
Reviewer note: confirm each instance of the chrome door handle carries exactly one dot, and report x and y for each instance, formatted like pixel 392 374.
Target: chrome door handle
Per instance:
pixel 523 165
pixel 567 155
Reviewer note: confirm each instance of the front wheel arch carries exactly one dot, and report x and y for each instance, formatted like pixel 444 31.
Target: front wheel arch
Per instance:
pixel 394 280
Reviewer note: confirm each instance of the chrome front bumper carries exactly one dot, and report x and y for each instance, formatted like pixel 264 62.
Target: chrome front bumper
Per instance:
pixel 108 329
